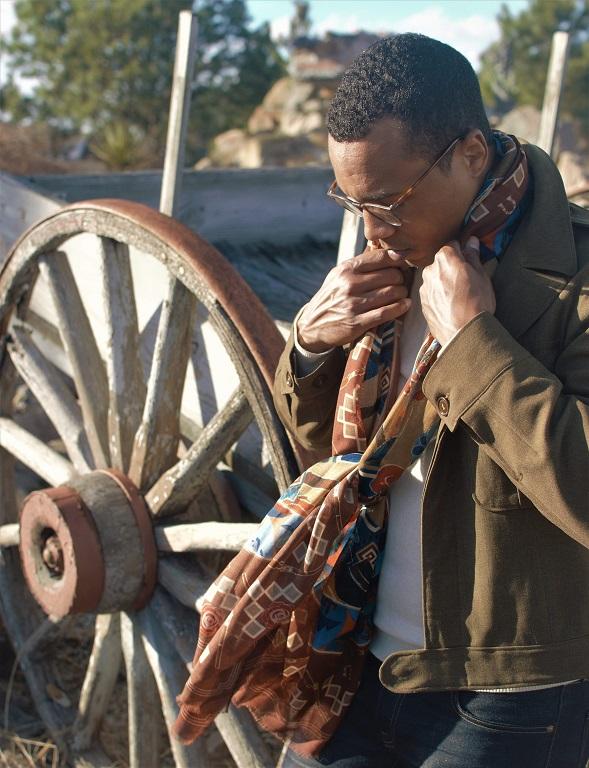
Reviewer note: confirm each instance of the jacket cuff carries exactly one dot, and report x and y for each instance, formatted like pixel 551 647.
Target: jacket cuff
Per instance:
pixel 477 355
pixel 324 378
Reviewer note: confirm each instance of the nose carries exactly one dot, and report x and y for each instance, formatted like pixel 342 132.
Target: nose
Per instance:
pixel 375 228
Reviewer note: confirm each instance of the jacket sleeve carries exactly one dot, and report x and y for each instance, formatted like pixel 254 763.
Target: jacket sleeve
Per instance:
pixel 532 422
pixel 306 404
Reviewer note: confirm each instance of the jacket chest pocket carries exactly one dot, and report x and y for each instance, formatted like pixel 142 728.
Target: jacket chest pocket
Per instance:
pixel 494 491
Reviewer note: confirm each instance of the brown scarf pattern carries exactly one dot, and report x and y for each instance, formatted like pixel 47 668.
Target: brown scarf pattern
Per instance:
pixel 285 628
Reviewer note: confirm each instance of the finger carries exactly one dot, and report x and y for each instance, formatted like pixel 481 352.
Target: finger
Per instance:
pixel 372 260
pixel 381 297
pixel 450 250
pixel 375 317
pixel 365 282
pixel 471 252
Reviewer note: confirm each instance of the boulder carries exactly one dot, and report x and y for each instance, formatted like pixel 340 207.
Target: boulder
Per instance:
pixel 227 147
pixel 299 124
pixel 574 170
pixel 277 96
pixel 524 122
pixel 262 120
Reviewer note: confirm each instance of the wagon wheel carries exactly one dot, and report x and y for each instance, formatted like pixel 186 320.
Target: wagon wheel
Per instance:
pixel 109 315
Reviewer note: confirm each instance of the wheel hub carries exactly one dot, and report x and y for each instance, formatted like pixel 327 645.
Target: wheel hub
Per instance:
pixel 88 547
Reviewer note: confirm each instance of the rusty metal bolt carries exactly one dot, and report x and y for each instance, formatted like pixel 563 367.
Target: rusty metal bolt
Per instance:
pixel 52 555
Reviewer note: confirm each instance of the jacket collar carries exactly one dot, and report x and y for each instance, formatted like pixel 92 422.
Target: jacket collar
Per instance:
pixel 542 243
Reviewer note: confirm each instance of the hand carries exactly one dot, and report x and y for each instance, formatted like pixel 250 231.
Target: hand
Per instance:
pixel 455 289
pixel 356 296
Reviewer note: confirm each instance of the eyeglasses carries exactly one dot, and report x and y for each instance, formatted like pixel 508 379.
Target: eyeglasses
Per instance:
pixel 385 212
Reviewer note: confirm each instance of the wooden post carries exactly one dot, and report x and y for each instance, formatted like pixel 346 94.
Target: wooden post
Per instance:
pixel 179 110
pixel 553 91
pixel 351 241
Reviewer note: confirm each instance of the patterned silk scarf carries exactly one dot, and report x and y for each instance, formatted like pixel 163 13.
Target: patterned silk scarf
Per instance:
pixel 285 628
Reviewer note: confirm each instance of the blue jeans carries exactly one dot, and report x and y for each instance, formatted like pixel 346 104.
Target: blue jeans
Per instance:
pixel 458 729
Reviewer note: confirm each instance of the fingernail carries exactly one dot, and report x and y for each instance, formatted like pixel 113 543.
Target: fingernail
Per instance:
pixel 473 242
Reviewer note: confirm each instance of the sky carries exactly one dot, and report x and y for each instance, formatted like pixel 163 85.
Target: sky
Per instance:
pixel 468 25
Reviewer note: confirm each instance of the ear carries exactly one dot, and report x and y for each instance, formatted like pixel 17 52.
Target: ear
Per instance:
pixel 476 153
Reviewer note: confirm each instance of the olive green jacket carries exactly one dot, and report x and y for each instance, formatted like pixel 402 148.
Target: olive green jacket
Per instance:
pixel 505 508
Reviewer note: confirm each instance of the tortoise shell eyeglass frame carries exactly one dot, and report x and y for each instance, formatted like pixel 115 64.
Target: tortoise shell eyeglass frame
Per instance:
pixel 386 212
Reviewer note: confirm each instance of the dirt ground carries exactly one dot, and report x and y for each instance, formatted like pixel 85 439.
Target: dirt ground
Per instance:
pixel 24 740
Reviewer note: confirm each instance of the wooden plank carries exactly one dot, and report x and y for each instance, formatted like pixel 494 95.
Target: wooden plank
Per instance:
pixel 156 443
pixel 185 59
pixel 144 704
pixel 553 92
pixel 34 453
pixel 88 369
pixel 351 241
pixel 21 206
pixel 224 204
pixel 99 681
pixel 126 384
pixel 188 537
pixel 46 384
pixel 182 483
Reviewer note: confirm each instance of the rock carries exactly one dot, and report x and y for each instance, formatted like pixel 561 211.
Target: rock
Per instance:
pixel 326 58
pixel 203 164
pixel 524 122
pixel 262 120
pixel 298 95
pixel 227 147
pixel 290 152
pixel 293 124
pixel 277 96
pixel 574 170
pixel 312 105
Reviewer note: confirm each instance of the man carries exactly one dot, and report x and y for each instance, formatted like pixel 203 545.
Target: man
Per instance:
pixel 481 638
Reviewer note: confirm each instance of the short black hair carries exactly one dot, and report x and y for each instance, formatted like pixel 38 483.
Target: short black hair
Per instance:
pixel 428 86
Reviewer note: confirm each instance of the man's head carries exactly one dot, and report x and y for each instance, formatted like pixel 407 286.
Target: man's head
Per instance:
pixel 398 106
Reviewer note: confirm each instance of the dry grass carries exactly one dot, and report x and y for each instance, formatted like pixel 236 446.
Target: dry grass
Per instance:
pixel 26 150
pixel 25 743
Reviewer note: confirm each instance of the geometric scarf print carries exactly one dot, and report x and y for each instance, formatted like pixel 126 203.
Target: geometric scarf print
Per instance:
pixel 494 217
pixel 285 628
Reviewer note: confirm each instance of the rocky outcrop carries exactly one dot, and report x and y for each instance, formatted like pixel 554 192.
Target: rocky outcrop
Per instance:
pixel 288 127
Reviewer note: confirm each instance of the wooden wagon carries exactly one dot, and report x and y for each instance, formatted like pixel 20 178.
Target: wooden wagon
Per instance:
pixel 148 446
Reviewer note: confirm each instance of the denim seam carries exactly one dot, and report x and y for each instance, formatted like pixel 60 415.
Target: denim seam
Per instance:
pixel 555 731
pixel 465 715
pixel 392 727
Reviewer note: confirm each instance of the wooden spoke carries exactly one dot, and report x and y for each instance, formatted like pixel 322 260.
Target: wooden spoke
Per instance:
pixel 143 700
pixel 10 535
pixel 170 674
pixel 156 442
pixel 193 536
pixel 92 758
pixel 78 339
pixel 187 584
pixel 47 384
pixel 123 364
pixel 236 726
pixel 34 453
pixel 101 675
pixel 182 483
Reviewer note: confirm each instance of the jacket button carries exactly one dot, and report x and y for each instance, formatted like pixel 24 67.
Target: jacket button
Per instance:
pixel 289 379
pixel 320 381
pixel 443 406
